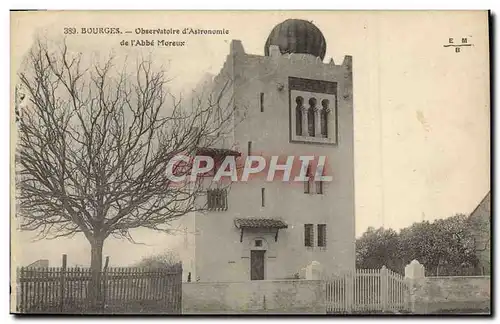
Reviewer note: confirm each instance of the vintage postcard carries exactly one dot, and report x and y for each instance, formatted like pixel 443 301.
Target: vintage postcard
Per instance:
pixel 250 162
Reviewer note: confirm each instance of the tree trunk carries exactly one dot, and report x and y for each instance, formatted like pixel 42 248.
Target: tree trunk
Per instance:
pixel 95 286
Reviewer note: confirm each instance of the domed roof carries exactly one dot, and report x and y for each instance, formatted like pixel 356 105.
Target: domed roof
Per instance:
pixel 297 36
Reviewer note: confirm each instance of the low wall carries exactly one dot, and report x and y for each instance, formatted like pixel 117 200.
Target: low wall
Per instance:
pixel 443 294
pixel 426 295
pixel 262 296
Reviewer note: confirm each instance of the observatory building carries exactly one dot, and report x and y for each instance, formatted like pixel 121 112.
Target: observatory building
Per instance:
pixel 288 103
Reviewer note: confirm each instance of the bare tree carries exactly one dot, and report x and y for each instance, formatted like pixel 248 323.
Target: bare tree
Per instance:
pixel 94 142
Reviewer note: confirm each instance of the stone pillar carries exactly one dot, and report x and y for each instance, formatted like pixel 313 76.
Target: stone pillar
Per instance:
pixel 350 277
pixel 332 119
pixel 414 270
pixel 305 124
pixel 317 122
pixel 314 271
pixel 384 288
pixel 332 124
pixel 414 276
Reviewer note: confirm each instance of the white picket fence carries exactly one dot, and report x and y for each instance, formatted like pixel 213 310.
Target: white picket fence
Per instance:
pixel 366 290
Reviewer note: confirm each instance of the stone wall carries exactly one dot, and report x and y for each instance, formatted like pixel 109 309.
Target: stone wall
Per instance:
pixel 446 294
pixel 426 295
pixel 430 295
pixel 263 296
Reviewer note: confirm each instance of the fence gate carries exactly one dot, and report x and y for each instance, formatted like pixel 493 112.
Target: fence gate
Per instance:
pixel 123 290
pixel 365 291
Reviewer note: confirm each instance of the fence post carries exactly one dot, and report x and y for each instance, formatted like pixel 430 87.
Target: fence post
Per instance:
pixel 63 273
pixel 413 273
pixel 384 287
pixel 104 283
pixel 350 277
pixel 179 293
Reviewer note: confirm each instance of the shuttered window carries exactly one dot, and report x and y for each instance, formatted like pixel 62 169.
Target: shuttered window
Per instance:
pixel 217 199
pixel 308 234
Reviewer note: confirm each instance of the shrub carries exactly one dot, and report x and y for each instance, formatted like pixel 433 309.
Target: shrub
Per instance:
pixel 166 259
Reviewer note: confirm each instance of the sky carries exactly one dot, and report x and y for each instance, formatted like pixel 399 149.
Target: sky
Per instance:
pixel 421 117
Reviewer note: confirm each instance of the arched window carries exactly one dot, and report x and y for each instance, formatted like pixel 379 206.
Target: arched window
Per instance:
pixel 298 116
pixel 310 117
pixel 324 117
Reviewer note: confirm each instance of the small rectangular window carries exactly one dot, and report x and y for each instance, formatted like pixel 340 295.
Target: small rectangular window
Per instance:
pixel 263 196
pixel 322 235
pixel 319 187
pixel 262 102
pixel 307 183
pixel 217 199
pixel 308 234
pixel 258 243
pixel 249 149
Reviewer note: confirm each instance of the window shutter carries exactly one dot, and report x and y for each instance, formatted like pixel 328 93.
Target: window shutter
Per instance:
pixel 322 235
pixel 319 187
pixel 225 200
pixel 308 234
pixel 209 199
pixel 219 199
pixel 307 183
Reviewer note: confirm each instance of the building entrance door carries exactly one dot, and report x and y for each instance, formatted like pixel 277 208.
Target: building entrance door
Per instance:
pixel 257 265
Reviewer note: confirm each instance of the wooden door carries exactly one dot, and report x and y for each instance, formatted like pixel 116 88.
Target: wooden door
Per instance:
pixel 257 265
